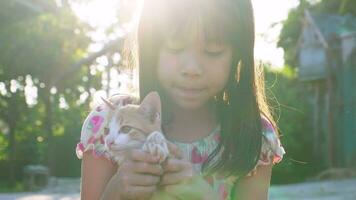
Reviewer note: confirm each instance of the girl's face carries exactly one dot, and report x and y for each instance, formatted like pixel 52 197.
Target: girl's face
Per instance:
pixel 192 72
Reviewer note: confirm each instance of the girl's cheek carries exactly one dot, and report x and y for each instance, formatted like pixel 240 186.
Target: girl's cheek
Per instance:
pixel 167 61
pixel 173 61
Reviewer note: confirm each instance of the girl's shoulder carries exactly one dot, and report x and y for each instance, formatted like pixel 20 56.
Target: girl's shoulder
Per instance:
pixel 93 132
pixel 272 150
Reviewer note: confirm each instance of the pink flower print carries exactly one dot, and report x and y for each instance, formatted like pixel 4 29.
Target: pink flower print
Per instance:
pixel 276 159
pixel 91 140
pixel 222 192
pixel 80 146
pixel 102 140
pixel 96 122
pixel 197 158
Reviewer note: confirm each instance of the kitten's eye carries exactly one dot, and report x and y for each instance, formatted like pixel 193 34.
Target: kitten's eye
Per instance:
pixel 125 129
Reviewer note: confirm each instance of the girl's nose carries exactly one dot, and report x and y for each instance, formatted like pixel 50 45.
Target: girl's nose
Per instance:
pixel 191 66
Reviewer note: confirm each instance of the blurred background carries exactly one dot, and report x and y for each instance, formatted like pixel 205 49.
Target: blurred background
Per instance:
pixel 58 57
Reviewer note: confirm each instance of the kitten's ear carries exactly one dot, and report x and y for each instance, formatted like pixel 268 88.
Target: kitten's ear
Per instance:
pixel 108 103
pixel 151 105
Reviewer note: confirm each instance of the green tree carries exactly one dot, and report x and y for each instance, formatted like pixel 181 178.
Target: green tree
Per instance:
pixel 292 26
pixel 292 111
pixel 38 43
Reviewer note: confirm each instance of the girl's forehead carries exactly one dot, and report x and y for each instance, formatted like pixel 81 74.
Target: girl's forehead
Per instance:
pixel 194 21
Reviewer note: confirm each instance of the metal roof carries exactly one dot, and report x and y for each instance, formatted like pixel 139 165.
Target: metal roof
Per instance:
pixel 330 24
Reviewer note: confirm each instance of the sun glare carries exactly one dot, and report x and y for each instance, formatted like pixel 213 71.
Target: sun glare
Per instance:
pixel 268 18
pixel 102 13
pixel 98 13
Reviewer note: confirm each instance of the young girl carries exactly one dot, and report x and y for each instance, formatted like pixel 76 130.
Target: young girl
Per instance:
pixel 199 56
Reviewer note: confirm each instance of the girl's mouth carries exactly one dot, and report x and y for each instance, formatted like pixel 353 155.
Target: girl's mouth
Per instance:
pixel 189 92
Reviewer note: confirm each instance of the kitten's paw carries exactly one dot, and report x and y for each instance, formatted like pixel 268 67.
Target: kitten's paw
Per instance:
pixel 156 145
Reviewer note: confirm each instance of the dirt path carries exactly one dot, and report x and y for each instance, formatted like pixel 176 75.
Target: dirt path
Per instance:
pixel 327 190
pixel 68 189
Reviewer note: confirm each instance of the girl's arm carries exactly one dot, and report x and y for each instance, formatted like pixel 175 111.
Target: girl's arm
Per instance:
pixel 137 177
pixel 96 173
pixel 255 187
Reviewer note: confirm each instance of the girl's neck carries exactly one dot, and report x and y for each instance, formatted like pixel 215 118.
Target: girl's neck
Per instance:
pixel 191 125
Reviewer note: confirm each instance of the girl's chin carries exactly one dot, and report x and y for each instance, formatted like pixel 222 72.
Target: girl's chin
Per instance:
pixel 187 104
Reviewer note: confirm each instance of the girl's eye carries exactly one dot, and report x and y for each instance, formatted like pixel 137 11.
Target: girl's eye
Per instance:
pixel 175 46
pixel 214 49
pixel 213 53
pixel 125 129
pixel 175 50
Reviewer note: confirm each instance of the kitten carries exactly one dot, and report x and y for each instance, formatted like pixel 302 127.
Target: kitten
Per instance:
pixel 139 126
pixel 136 126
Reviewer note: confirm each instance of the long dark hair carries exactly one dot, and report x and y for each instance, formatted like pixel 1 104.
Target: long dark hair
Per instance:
pixel 241 103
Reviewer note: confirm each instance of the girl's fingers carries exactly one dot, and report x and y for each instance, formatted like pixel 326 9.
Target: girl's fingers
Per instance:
pixel 174 178
pixel 142 156
pixel 176 171
pixel 141 162
pixel 143 167
pixel 175 165
pixel 143 180
pixel 138 179
pixel 174 150
pixel 140 192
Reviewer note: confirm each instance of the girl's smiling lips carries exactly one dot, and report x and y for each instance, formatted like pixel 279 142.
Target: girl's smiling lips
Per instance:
pixel 189 92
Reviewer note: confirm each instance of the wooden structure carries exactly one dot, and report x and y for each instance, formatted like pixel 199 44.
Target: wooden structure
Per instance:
pixel 326 54
pixel 35 177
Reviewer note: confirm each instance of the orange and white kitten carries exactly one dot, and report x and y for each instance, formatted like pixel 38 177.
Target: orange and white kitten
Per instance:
pixel 136 126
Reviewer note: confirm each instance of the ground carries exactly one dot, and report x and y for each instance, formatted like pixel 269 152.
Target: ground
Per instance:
pixel 68 189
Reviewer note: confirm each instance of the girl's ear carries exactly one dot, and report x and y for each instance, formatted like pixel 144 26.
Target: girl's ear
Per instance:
pixel 151 105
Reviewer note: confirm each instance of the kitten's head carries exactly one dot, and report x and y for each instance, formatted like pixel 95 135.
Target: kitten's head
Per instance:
pixel 131 124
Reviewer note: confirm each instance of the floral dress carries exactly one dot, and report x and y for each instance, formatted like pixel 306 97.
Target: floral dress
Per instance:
pixel 196 152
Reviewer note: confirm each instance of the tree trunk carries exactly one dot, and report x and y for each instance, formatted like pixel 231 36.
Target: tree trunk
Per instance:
pixel 11 116
pixel 48 123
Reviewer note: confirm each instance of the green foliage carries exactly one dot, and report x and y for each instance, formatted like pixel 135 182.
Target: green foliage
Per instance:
pixel 294 120
pixel 292 26
pixel 289 35
pixel 5 188
pixel 38 46
pixel 296 116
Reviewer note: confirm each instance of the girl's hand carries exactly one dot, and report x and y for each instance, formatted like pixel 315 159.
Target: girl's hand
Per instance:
pixel 138 176
pixel 176 169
